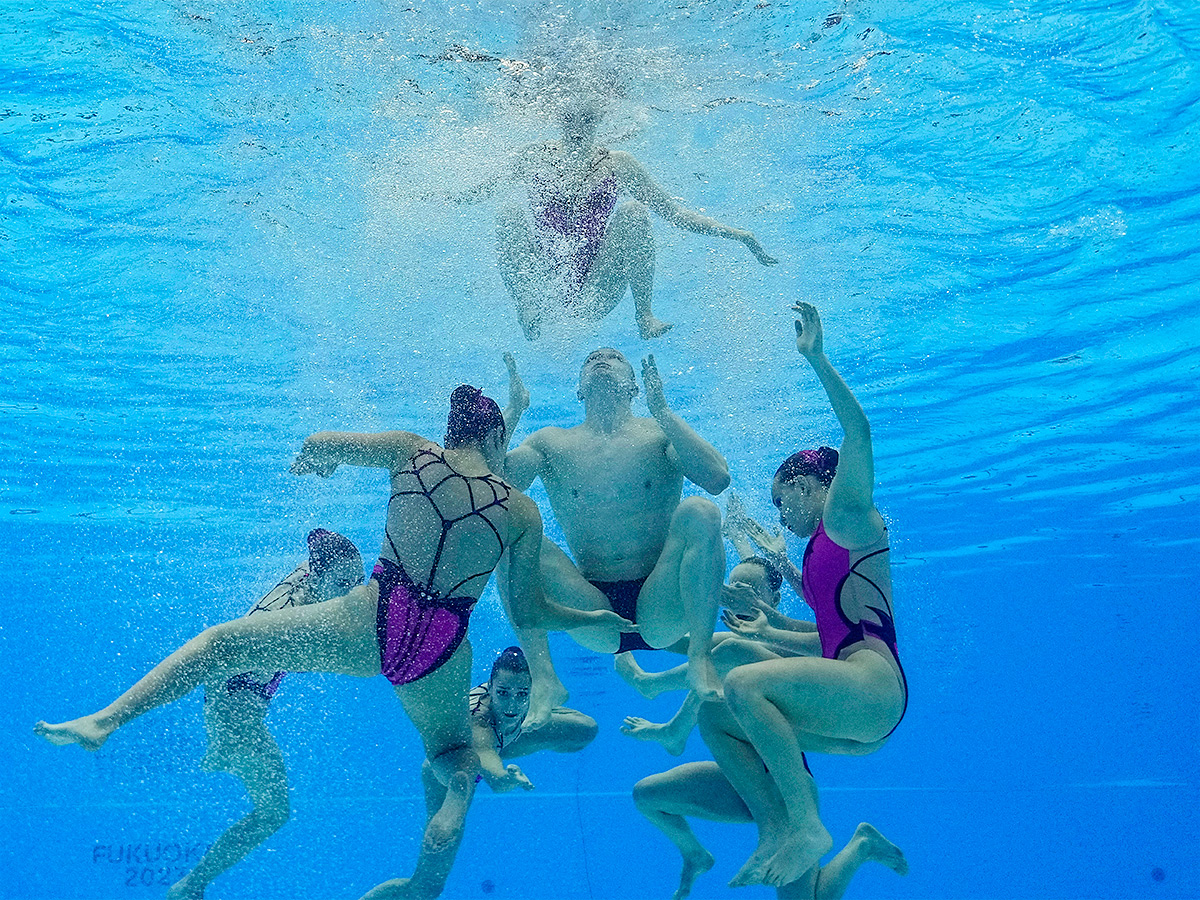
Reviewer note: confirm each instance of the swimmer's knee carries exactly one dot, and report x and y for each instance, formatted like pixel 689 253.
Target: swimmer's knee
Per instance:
pixel 700 513
pixel 633 210
pixel 645 794
pixel 274 816
pixel 740 686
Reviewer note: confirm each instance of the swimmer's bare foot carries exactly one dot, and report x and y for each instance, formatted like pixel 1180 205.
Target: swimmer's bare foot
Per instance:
pixel 544 696
pixel 649 327
pixel 635 676
pixel 751 871
pixel 645 730
pixel 694 865
pixel 446 826
pixel 85 732
pixel 874 846
pixel 798 852
pixel 703 678
pixel 181 890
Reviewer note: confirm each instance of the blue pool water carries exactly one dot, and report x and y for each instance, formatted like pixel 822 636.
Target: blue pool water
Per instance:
pixel 213 244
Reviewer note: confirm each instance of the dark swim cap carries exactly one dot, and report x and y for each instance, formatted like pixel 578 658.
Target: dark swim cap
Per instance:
pixel 512 659
pixel 327 548
pixel 472 415
pixel 821 463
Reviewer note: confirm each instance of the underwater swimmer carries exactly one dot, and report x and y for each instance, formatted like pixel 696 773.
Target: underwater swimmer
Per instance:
pixel 701 790
pixel 238 740
pixel 753 583
pixel 615 483
pixel 575 246
pixel 498 708
pixel 449 519
pixel 851 698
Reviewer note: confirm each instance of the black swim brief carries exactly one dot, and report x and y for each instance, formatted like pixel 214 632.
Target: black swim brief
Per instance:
pixel 622 597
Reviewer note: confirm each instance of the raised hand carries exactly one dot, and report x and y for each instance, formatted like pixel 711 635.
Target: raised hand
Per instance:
pixel 810 336
pixel 656 399
pixel 307 463
pixel 518 396
pixel 755 247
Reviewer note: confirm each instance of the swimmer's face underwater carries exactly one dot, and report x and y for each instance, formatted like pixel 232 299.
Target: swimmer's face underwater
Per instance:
pixel 607 371
pixel 509 693
pixel 579 122
pixel 800 502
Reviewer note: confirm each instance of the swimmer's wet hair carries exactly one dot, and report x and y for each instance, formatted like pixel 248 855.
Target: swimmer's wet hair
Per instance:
pixel 774 576
pixel 472 415
pixel 821 463
pixel 512 659
pixel 327 548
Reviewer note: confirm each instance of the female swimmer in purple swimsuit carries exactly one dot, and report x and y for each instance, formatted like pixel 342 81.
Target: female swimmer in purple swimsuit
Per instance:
pixel 449 520
pixel 850 698
pixel 573 246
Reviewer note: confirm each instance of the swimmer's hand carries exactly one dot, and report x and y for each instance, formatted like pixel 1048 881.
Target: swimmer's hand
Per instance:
pixel 810 336
pixel 308 463
pixel 513 778
pixel 518 396
pixel 606 618
pixel 656 398
pixel 753 627
pixel 754 247
pixel 738 596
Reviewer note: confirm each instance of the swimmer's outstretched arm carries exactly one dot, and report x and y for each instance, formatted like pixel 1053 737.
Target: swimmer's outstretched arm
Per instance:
pixel 567 731
pixel 639 183
pixel 324 451
pixel 529 606
pixel 701 462
pixel 773 547
pixel 500 778
pixel 849 508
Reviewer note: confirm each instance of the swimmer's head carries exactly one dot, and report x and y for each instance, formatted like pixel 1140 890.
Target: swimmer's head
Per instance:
pixel 800 486
pixel 607 371
pixel 579 119
pixel 509 687
pixel 334 564
pixel 759 576
pixel 475 420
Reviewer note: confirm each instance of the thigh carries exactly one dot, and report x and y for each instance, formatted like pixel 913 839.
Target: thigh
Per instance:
pixel 628 240
pixel 696 789
pixel 437 703
pixel 835 706
pixel 333 636
pixel 563 583
pixel 693 536
pixel 733 652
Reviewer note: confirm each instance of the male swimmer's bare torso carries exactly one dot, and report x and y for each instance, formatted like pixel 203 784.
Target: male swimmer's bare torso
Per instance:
pixel 613 493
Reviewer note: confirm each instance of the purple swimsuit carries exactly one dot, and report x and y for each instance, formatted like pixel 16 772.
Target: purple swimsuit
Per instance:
pixel 571 230
pixel 850 592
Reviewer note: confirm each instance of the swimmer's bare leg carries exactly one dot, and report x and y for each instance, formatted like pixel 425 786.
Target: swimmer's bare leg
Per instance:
pixel 650 684
pixel 743 768
pixel 697 789
pixel 336 636
pixel 265 778
pixel 683 592
pixel 867 845
pixel 627 258
pixel 546 689
pixel 671 735
pixel 529 278
pixel 437 705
